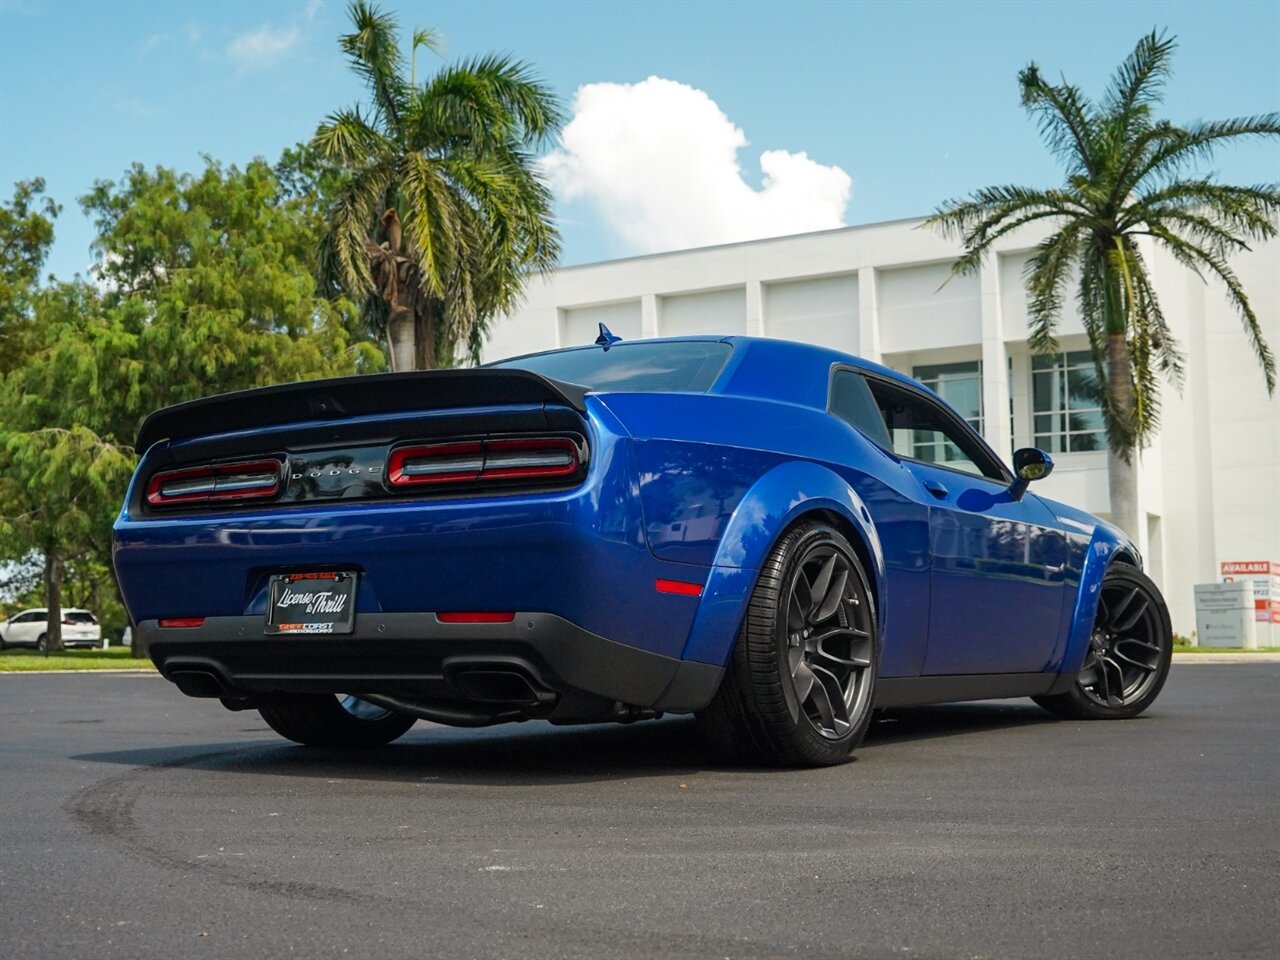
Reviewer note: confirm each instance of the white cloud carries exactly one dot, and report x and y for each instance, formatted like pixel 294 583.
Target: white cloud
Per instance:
pixel 659 160
pixel 265 43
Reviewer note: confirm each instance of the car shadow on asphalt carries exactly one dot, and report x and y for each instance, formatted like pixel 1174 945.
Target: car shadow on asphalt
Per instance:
pixel 536 752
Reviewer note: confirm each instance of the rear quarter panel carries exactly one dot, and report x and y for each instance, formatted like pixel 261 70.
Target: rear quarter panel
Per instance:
pixel 721 477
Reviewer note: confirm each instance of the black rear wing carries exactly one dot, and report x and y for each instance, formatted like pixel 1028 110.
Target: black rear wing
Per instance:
pixel 355 397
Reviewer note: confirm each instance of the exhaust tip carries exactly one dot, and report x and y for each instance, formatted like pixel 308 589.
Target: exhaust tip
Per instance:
pixel 499 686
pixel 199 683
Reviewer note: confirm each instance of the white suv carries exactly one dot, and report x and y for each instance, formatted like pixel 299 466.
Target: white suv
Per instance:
pixel 30 628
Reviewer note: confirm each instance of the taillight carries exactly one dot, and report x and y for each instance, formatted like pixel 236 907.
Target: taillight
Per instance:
pixel 515 458
pixel 215 483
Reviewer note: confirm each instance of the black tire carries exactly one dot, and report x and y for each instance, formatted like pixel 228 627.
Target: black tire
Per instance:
pixel 42 643
pixel 1129 654
pixel 321 720
pixel 786 691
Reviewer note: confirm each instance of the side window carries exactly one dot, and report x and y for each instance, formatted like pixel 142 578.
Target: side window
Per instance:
pixel 852 402
pixel 921 429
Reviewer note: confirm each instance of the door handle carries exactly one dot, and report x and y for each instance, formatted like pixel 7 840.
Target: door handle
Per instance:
pixel 937 489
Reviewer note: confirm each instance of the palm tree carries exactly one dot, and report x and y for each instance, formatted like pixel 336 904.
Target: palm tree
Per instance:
pixel 1129 175
pixel 442 213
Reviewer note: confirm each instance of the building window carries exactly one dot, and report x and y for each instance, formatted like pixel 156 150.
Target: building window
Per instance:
pixel 1067 403
pixel 960 385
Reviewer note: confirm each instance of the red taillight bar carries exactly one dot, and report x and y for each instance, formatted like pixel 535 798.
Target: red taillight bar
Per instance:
pixel 475 617
pixel 173 623
pixel 678 587
pixel 215 483
pixel 478 460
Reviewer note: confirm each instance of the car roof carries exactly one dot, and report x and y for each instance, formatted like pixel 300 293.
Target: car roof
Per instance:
pixel 753 368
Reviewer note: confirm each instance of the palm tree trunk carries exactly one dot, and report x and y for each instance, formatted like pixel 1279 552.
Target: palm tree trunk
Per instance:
pixel 53 599
pixel 1122 468
pixel 401 334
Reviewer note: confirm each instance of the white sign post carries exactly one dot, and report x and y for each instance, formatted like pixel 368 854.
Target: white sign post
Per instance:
pixel 1224 615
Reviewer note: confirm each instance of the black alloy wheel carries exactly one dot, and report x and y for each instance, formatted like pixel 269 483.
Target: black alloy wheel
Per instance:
pixel 1129 653
pixel 800 685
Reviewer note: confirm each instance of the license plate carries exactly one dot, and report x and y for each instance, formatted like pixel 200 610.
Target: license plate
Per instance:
pixel 312 603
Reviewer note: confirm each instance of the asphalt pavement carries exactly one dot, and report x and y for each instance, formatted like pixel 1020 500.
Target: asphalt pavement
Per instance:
pixel 136 823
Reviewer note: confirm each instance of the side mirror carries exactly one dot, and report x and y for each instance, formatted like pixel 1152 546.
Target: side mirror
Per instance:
pixel 1029 464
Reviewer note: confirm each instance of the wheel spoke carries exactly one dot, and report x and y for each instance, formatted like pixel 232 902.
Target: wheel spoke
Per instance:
pixel 1132 616
pixel 803 595
pixel 835 594
pixel 1111 672
pixel 819 587
pixel 804 681
pixel 1089 673
pixel 1135 656
pixel 859 652
pixel 828 700
pixel 795 612
pixel 1114 614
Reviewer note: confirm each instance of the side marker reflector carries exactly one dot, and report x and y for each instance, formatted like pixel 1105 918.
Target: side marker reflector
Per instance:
pixel 475 617
pixel 678 587
pixel 175 622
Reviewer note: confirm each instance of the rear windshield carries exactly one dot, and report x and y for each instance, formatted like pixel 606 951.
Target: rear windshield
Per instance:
pixel 681 367
pixel 79 618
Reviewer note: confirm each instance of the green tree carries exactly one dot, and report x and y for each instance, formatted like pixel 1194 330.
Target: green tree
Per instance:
pixel 443 213
pixel 26 233
pixel 208 286
pixel 1128 175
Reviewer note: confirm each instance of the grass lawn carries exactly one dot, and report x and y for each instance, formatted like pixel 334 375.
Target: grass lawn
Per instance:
pixel 114 658
pixel 1183 648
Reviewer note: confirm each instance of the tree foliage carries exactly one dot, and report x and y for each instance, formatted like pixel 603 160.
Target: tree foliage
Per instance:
pixel 1129 175
pixel 205 284
pixel 26 233
pixel 442 213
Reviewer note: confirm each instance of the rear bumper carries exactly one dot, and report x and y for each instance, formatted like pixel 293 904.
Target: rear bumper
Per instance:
pixel 415 655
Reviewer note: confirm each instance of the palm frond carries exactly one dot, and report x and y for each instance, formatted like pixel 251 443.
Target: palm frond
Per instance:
pixel 1064 115
pixel 347 136
pixel 1182 147
pixel 1203 259
pixel 993 212
pixel 372 51
pixel 344 256
pixel 1140 79
pixel 1047 272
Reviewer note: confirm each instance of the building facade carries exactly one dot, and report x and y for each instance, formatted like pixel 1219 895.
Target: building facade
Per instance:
pixel 1209 486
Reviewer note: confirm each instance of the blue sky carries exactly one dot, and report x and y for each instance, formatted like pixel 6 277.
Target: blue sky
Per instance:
pixel 895 106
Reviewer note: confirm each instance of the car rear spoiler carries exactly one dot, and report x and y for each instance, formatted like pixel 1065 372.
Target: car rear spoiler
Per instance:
pixel 355 397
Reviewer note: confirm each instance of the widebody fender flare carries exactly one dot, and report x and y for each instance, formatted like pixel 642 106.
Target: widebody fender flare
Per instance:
pixel 1107 546
pixel 777 500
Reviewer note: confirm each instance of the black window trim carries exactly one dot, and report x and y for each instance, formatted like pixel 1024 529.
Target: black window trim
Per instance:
pixel 934 401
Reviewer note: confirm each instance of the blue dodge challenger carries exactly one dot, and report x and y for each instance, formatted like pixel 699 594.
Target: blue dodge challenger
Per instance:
pixel 776 536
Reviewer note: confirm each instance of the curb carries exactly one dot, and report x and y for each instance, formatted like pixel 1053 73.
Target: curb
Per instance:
pixel 1226 658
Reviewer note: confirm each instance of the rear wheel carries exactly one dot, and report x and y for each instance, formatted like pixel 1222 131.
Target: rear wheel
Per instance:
pixel 1129 652
pixel 42 643
pixel 326 720
pixel 799 688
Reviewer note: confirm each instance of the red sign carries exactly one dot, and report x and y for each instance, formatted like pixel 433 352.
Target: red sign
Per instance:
pixel 1265 575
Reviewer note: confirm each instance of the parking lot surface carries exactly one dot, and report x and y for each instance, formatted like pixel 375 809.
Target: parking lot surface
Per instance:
pixel 137 823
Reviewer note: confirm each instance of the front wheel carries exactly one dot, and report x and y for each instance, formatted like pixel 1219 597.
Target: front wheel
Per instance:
pixel 326 720
pixel 799 688
pixel 1129 652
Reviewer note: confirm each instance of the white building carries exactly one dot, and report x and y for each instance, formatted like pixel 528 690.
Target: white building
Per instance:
pixel 1209 485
